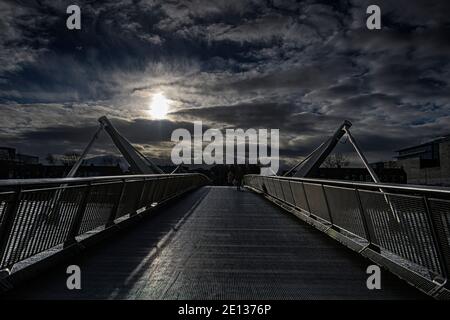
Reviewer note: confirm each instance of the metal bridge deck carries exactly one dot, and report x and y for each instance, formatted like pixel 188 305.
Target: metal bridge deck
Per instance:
pixel 231 245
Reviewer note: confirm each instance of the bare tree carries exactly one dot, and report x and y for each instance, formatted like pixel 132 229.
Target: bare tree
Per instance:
pixel 336 160
pixel 70 158
pixel 51 159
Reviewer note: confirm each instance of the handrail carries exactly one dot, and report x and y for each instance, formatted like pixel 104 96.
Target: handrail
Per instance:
pixel 405 228
pixel 22 182
pixel 35 217
pixel 352 184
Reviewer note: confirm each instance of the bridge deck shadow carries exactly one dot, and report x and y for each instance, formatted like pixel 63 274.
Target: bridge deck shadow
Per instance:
pixel 232 245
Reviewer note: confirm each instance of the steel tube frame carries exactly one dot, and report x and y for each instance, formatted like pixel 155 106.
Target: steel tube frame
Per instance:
pixel 438 245
pixel 22 193
pixel 7 224
pixel 437 241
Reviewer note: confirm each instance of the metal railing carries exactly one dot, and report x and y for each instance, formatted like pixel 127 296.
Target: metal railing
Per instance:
pixel 409 226
pixel 39 214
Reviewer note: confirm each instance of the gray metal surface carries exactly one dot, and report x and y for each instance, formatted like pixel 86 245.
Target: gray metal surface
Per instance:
pixel 231 245
pixel 35 217
pixel 308 167
pixel 408 228
pixel 138 162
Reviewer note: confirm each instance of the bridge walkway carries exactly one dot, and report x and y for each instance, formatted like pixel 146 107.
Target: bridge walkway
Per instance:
pixel 227 245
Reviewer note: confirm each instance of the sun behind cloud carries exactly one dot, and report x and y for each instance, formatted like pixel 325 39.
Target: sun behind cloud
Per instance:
pixel 159 106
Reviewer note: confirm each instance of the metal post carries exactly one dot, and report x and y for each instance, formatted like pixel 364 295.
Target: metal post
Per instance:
pixel 152 191
pixel 292 193
pixel 328 207
pixel 139 199
pixel 177 187
pixel 7 224
pixel 168 188
pixel 437 243
pixel 148 196
pixel 164 191
pixel 282 191
pixel 306 199
pixel 76 223
pixel 115 209
pixel 367 224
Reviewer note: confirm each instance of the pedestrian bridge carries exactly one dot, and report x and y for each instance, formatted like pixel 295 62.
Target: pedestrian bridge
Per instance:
pixel 175 237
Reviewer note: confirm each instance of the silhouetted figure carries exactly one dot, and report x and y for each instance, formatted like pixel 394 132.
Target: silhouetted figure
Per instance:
pixel 238 177
pixel 230 178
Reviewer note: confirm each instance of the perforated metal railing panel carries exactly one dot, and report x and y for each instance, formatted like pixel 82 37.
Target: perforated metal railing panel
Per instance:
pixel 345 200
pixel 36 215
pixel 406 226
pixel 232 245
pixel 401 226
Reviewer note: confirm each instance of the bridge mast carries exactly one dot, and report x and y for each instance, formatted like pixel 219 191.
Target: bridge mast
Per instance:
pixel 308 166
pixel 312 163
pixel 138 162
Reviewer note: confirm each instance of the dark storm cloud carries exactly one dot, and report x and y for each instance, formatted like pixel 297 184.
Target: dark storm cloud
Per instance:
pixel 263 115
pixel 301 77
pixel 145 134
pixel 301 66
pixel 138 131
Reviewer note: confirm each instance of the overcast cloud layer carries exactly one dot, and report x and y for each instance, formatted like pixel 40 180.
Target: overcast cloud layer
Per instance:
pixel 300 66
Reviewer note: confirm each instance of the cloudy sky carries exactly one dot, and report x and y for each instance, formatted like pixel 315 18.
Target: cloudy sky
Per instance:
pixel 300 66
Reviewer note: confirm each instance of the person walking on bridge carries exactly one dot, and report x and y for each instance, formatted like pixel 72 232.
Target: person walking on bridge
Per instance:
pixel 238 177
pixel 230 177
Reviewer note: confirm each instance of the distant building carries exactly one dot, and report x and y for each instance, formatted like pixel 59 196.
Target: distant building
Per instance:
pixel 385 165
pixel 427 163
pixel 11 170
pixel 26 159
pixel 21 166
pixel 9 154
pixel 386 174
pixel 56 171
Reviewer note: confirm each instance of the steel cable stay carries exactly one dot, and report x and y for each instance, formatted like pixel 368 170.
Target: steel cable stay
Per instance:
pixel 46 206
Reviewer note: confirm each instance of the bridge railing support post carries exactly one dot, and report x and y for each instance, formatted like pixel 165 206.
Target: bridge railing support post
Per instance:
pixel 116 207
pixel 306 199
pixel 178 184
pixel 138 204
pixel 76 223
pixel 328 207
pixel 367 224
pixel 6 228
pixel 148 192
pixel 439 242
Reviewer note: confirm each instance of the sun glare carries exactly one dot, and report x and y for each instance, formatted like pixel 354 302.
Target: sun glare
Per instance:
pixel 159 106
